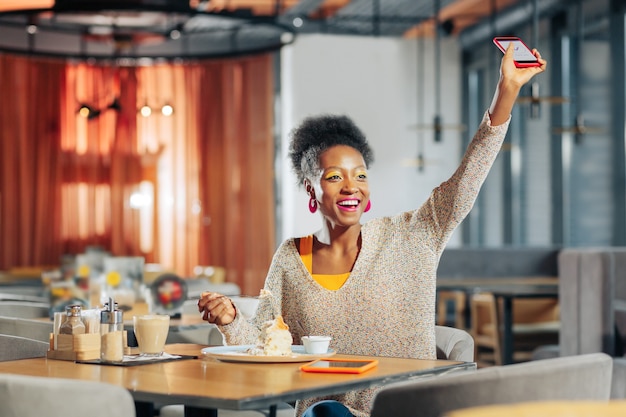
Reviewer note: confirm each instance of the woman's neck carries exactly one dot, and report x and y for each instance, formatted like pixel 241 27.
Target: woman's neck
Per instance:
pixel 338 236
pixel 340 254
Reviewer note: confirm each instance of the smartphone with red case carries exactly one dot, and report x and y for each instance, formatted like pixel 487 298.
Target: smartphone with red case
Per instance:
pixel 340 366
pixel 522 54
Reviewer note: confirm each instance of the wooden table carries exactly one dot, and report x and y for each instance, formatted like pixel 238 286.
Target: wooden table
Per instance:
pixel 505 289
pixel 209 384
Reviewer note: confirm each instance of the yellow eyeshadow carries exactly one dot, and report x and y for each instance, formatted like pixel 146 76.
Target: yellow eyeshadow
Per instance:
pixel 332 174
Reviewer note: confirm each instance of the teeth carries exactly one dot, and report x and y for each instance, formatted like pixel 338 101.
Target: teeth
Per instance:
pixel 349 203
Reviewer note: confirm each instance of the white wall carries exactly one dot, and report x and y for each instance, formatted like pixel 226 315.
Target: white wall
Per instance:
pixel 373 81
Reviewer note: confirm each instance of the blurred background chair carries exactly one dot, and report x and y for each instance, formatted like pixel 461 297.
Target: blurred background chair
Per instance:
pixel 29 328
pixel 451 309
pixel 582 377
pixel 28 396
pixel 592 292
pixel 484 330
pixel 547 409
pixel 15 347
pixel 196 286
pixel 536 322
pixel 24 309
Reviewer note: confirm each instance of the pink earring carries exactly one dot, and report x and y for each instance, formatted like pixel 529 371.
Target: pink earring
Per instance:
pixel 369 206
pixel 312 205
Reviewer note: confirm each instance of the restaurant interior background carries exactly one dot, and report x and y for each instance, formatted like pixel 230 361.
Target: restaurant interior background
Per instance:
pixel 210 184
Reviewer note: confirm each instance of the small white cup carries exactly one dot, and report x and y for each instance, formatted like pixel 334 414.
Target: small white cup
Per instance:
pixel 316 344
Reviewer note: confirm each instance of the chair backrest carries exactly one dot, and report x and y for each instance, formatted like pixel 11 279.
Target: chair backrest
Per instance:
pixel 29 396
pixel 15 347
pixel 534 316
pixel 582 377
pixel 547 409
pixel 592 293
pixel 29 328
pixel 196 286
pixel 536 310
pixel 454 344
pixel 24 309
pixel 459 301
pixel 618 384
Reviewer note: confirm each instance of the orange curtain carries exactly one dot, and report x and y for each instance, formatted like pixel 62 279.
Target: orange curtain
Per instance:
pixel 235 129
pixel 30 175
pixel 101 161
pixel 194 188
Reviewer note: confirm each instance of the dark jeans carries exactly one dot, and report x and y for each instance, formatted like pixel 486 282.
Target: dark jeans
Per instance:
pixel 327 408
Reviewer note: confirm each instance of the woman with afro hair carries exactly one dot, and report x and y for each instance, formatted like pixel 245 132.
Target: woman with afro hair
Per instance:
pixel 371 286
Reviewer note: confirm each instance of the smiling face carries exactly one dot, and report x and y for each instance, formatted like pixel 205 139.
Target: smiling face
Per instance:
pixel 342 189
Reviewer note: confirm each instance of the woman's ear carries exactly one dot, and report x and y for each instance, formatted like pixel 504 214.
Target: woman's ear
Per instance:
pixel 309 188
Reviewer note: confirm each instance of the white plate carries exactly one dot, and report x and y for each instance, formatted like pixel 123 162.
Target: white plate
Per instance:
pixel 240 354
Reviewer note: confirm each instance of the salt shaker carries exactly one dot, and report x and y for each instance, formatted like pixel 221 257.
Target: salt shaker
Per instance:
pixel 73 323
pixel 111 333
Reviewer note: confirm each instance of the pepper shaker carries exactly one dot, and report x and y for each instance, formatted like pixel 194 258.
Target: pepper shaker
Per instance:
pixel 111 333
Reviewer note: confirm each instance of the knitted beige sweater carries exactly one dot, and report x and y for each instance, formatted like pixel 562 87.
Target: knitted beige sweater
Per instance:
pixel 387 305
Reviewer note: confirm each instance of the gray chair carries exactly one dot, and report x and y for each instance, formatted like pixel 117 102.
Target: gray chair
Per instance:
pixel 582 377
pixel 195 288
pixel 29 396
pixel 24 309
pixel 454 344
pixel 29 328
pixel 592 298
pixel 15 347
pixel 592 293
pixel 618 382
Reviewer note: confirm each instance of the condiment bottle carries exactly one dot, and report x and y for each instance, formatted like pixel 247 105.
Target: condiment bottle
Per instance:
pixel 111 333
pixel 73 323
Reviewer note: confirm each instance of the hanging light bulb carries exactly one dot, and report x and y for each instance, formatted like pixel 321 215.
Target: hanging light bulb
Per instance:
pixel 167 110
pixel 88 112
pixel 84 111
pixel 145 110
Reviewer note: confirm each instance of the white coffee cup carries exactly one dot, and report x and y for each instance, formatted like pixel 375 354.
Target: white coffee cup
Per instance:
pixel 316 344
pixel 151 332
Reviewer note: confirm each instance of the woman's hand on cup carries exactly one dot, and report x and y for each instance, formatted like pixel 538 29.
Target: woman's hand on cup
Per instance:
pixel 216 308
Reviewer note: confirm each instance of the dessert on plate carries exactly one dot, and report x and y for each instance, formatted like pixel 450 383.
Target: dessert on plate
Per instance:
pixel 275 339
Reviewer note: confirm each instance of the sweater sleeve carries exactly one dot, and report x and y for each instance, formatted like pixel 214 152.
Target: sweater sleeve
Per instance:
pixel 451 201
pixel 245 332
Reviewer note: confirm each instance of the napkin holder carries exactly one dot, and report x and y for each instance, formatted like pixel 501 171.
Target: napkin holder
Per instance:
pixel 78 347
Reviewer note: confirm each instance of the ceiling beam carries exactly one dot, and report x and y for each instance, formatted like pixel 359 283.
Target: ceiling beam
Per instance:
pixel 506 20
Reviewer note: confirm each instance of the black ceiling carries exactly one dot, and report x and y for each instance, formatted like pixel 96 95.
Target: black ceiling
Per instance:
pixel 366 17
pixel 172 29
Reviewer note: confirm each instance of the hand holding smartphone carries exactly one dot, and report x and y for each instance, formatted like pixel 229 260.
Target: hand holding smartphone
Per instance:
pixel 522 54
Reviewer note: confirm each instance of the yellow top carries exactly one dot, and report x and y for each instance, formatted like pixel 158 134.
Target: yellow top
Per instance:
pixel 330 282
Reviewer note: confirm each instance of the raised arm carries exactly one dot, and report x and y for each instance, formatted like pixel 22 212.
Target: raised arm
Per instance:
pixel 453 199
pixel 511 81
